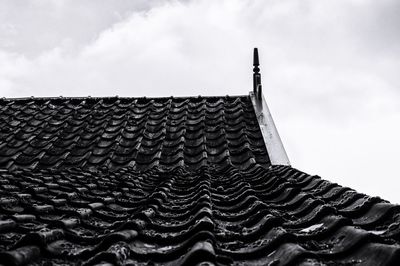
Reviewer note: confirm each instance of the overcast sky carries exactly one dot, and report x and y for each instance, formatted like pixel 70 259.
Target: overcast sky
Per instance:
pixel 330 69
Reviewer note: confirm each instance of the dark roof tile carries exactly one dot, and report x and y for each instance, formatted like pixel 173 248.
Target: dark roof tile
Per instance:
pixel 170 181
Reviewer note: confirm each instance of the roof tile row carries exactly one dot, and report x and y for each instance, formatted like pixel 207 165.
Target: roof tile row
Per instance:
pixel 176 216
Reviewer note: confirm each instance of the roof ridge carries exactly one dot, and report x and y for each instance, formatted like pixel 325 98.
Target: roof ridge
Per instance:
pixel 118 97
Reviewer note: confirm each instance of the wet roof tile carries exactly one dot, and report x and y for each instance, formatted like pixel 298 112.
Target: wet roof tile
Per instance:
pixel 113 132
pixel 170 181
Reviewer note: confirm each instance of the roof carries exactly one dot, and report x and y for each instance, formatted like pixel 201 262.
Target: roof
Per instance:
pixel 116 132
pixel 167 181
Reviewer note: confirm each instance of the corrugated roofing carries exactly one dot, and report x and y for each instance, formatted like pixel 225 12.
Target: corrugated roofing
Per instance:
pixel 170 181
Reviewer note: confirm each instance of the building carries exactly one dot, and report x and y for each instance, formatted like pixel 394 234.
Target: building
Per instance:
pixel 173 181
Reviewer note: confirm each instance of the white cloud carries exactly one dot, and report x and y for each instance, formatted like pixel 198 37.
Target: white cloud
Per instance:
pixel 329 67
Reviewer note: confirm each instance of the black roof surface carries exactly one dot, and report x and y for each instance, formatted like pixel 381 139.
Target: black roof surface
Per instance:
pixel 139 132
pixel 175 181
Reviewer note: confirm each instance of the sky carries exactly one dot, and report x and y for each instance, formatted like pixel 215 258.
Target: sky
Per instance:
pixel 330 69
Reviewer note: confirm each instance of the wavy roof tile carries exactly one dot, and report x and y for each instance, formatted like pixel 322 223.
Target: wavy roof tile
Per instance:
pixel 136 132
pixel 129 181
pixel 172 181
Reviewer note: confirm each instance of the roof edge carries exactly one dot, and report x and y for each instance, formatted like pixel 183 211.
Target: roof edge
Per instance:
pixel 116 97
pixel 272 140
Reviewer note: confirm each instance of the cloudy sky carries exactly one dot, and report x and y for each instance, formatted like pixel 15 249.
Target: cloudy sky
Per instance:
pixel 330 68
